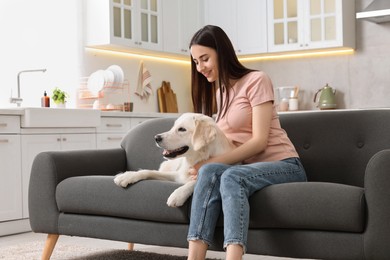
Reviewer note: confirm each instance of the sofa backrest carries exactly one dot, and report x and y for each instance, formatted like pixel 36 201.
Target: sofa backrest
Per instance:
pixel 336 145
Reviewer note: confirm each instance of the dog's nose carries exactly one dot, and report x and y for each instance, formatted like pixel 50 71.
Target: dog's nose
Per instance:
pixel 158 138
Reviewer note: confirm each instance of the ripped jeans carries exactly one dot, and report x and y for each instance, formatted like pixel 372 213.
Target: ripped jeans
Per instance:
pixel 226 188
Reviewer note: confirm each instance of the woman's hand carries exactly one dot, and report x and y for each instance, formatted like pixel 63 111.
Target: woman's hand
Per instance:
pixel 193 173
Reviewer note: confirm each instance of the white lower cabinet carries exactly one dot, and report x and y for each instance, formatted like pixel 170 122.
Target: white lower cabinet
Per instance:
pixel 33 144
pixel 10 178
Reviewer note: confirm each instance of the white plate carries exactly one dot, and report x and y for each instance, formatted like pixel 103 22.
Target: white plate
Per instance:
pixel 109 78
pixel 96 81
pixel 118 74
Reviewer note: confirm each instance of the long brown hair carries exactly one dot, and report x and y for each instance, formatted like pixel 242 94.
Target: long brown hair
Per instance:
pixel 229 68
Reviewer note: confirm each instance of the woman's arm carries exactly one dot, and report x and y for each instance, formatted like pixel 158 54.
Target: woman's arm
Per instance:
pixel 261 124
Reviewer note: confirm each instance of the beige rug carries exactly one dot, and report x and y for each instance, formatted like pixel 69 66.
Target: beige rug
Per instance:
pixel 33 251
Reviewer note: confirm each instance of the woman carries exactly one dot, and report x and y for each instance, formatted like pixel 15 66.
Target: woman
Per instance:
pixel 264 155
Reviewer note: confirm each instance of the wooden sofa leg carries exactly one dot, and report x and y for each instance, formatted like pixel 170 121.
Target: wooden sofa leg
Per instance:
pixel 49 246
pixel 130 246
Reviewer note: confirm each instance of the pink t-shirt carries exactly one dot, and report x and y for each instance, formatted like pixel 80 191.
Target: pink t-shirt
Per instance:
pixel 254 89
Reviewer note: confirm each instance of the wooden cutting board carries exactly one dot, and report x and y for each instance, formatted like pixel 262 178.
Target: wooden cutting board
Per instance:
pixel 167 100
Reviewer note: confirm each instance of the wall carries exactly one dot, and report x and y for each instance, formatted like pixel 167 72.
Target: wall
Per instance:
pixel 362 80
pixel 33 38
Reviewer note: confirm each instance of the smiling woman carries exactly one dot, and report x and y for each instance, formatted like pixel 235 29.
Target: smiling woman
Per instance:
pixel 41 33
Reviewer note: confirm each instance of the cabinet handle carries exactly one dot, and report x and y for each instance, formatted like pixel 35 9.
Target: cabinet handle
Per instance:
pixel 184 50
pixel 3 141
pixel 58 139
pixel 114 125
pixel 3 124
pixel 114 138
pixel 64 139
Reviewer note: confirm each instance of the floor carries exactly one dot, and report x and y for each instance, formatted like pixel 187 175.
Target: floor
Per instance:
pixel 98 243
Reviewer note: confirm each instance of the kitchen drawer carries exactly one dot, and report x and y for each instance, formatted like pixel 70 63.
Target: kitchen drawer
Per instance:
pixel 109 140
pixel 10 124
pixel 114 125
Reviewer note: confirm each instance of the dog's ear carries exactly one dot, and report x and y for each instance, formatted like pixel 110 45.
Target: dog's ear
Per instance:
pixel 204 134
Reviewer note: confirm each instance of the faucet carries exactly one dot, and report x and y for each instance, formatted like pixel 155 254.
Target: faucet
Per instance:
pixel 18 100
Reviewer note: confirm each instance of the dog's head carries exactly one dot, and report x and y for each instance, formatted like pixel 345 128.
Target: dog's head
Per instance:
pixel 190 133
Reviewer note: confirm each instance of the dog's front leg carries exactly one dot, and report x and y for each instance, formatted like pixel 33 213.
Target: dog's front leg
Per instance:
pixel 181 194
pixel 129 177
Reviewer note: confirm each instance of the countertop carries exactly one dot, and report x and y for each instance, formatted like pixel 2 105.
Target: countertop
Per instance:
pixel 20 111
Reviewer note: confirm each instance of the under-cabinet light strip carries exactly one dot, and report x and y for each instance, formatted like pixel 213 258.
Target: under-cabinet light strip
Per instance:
pixel 139 56
pixel 297 55
pixel 251 58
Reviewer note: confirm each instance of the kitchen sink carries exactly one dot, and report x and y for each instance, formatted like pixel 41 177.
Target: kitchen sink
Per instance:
pixel 59 117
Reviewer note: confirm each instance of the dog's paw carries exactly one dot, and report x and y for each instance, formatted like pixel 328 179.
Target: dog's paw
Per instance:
pixel 124 179
pixel 176 199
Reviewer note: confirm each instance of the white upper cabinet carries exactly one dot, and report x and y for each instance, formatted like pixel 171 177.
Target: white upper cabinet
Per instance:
pixel 310 24
pixel 244 21
pixel 181 19
pixel 124 23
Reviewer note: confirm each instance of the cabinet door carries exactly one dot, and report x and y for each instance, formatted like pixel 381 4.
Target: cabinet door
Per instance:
pixel 122 22
pixel 251 27
pixel 244 21
pixel 31 146
pixel 10 178
pixel 323 28
pixel 150 22
pixel 223 14
pixel 181 19
pixel 285 25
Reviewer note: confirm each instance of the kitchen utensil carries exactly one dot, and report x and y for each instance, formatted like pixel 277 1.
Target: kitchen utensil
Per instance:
pixel 167 100
pixel 96 81
pixel 118 74
pixel 327 98
pixel 284 94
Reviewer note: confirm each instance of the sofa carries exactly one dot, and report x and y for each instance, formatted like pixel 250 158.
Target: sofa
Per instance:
pixel 342 212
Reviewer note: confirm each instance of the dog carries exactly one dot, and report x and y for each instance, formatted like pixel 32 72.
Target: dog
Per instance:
pixel 193 138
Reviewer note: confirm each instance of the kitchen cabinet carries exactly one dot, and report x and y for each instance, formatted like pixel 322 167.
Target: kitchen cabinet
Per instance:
pixel 124 23
pixel 181 19
pixel 36 143
pixel 310 24
pixel 10 170
pixel 244 21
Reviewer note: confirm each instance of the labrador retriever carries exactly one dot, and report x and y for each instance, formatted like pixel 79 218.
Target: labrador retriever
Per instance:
pixel 193 138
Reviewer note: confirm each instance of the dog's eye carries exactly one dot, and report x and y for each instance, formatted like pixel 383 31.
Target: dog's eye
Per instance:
pixel 182 129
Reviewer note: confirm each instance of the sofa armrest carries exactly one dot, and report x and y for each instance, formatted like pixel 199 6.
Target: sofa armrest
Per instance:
pixel 377 192
pixel 50 168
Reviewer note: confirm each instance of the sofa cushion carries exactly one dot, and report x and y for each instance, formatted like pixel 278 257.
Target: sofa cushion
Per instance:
pixel 309 205
pixel 99 195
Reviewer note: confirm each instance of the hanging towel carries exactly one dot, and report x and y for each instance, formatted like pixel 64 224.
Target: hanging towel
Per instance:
pixel 144 88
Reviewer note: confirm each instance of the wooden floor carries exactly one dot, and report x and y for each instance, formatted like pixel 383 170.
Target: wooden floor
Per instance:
pixel 98 243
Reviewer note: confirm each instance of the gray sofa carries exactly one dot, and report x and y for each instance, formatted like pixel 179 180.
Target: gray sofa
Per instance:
pixel 343 212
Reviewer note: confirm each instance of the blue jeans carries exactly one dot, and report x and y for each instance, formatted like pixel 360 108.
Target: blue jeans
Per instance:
pixel 226 188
